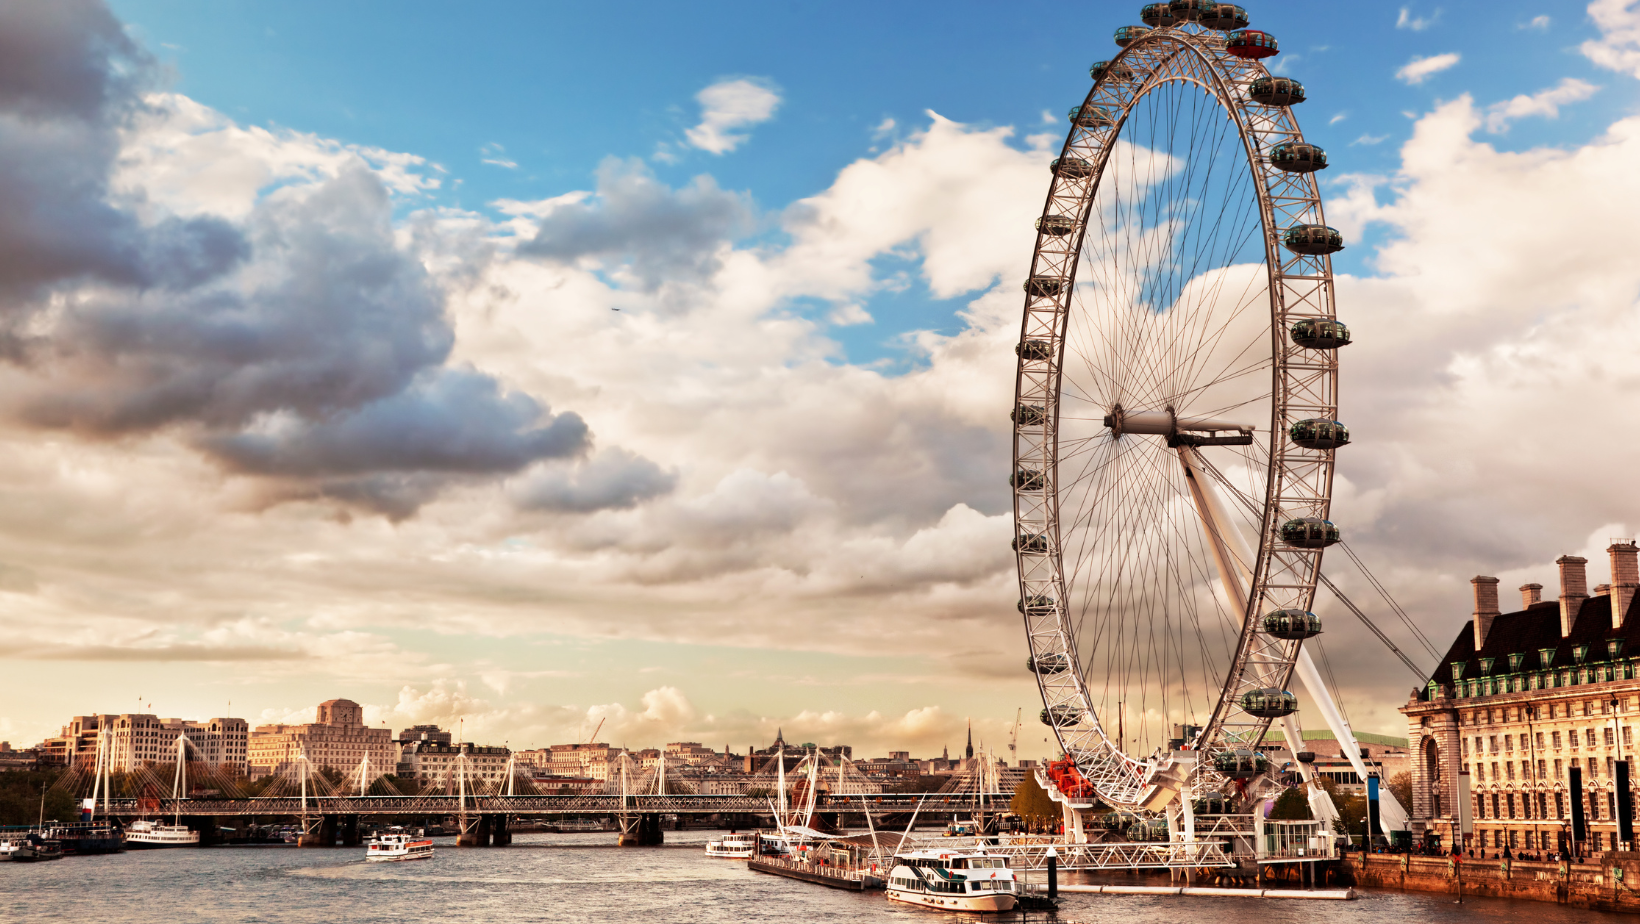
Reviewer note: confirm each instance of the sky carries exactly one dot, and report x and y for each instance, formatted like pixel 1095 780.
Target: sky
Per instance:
pixel 531 366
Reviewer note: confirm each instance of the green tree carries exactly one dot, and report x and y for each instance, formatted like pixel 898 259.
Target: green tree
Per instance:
pixel 1292 805
pixel 20 797
pixel 1031 802
pixel 1401 786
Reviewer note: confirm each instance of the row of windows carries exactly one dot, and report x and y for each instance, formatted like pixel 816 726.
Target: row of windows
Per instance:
pixel 1521 683
pixel 1543 766
pixel 1586 708
pixel 1587 737
pixel 1535 806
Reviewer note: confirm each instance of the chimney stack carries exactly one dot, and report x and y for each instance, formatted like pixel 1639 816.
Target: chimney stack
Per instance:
pixel 1574 589
pixel 1625 558
pixel 1486 607
pixel 1530 595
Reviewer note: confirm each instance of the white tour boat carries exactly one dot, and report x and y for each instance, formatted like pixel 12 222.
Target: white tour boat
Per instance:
pixel 953 880
pixel 396 845
pixel 732 847
pixel 148 835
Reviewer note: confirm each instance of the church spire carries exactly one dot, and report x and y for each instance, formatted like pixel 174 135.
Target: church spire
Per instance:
pixel 970 739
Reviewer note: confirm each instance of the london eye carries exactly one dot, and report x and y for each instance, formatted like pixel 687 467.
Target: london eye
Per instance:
pixel 1176 411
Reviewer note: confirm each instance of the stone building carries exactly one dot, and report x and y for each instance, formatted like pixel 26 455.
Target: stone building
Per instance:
pixel 1521 699
pixel 1384 755
pixel 438 761
pixel 573 761
pixel 337 739
pixel 424 733
pixel 133 740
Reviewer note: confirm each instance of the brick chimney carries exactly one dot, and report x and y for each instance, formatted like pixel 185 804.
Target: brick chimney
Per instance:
pixel 1486 607
pixel 1625 558
pixel 1530 595
pixel 1574 589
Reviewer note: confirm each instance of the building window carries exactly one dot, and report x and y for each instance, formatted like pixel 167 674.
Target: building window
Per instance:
pixel 1555 737
pixel 1542 769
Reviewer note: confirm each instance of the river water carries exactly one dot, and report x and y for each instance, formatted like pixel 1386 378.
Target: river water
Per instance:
pixel 584 878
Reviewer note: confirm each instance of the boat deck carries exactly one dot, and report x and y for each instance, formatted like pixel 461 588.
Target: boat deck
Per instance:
pixel 835 877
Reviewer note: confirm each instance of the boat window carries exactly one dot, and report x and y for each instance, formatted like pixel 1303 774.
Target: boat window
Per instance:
pixel 959 864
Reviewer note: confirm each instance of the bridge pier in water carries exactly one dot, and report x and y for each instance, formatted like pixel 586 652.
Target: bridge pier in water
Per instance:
pixel 318 832
pixel 475 831
pixel 641 831
pixel 350 831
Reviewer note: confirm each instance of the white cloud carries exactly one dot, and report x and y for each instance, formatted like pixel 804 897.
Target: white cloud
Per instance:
pixel 1544 103
pixel 1618 48
pixel 1540 23
pixel 1419 70
pixel 865 509
pixel 494 153
pixel 1370 139
pixel 183 158
pixel 729 105
pixel 1415 23
pixel 1339 117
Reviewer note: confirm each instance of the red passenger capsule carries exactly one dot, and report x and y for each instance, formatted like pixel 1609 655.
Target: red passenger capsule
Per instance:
pixel 1251 44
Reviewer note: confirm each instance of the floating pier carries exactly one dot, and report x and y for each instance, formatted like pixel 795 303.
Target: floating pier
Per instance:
pixel 836 877
pixel 1336 895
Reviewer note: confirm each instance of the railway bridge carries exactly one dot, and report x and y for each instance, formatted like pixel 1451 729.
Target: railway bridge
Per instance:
pixel 485 819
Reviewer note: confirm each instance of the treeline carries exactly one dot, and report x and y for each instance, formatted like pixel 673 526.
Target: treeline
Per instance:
pixel 21 795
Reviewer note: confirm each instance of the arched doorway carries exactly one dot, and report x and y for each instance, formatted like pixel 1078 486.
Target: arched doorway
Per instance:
pixel 1433 776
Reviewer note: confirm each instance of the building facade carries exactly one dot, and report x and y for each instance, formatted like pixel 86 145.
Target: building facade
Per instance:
pixel 440 762
pixel 1384 755
pixel 576 761
pixel 424 733
pixel 338 739
pixel 1521 700
pixel 135 740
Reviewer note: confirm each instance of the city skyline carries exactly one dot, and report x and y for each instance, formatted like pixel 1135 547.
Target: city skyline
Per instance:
pixel 618 384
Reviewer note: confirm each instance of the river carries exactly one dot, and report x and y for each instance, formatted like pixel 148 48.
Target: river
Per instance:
pixel 584 878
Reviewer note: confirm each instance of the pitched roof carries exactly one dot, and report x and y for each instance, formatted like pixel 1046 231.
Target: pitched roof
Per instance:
pixel 1536 628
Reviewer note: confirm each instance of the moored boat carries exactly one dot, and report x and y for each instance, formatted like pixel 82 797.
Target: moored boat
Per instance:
pixel 397 845
pixel 87 838
pixel 149 835
pixel 34 848
pixel 953 880
pixel 732 846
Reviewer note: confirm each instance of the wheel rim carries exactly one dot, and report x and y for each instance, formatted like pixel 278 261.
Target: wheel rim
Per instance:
pixel 1160 292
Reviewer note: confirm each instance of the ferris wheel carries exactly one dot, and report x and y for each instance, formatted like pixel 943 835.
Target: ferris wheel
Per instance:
pixel 1175 411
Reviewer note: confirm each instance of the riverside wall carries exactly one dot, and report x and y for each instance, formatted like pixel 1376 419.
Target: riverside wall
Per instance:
pixel 1604 882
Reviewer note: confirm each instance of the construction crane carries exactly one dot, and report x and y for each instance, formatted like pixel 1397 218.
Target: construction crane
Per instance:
pixel 1013 737
pixel 595 732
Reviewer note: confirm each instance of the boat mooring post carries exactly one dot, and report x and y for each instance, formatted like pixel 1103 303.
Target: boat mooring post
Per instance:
pixel 1053 872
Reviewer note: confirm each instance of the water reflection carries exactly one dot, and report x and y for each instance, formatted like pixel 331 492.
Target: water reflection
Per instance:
pixel 584 878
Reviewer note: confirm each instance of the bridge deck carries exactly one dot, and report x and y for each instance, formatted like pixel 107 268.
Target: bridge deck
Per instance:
pixel 529 805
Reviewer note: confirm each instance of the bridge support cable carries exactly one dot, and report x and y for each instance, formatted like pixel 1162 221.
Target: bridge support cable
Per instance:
pixel 1227 486
pixel 1395 607
pixel 1349 604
